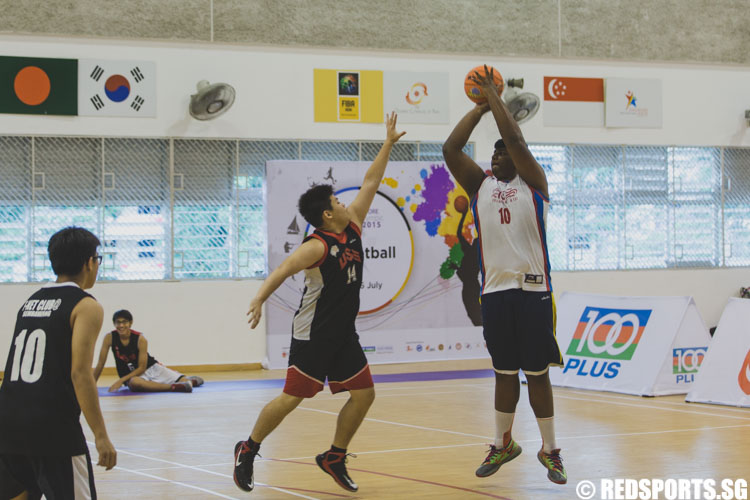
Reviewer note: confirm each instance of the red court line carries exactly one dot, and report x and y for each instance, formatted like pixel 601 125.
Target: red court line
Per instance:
pixel 424 481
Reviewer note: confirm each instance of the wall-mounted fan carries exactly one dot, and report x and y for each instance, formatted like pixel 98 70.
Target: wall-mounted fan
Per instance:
pixel 211 100
pixel 522 105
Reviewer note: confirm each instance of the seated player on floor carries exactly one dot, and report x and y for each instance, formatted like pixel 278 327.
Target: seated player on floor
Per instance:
pixel 137 369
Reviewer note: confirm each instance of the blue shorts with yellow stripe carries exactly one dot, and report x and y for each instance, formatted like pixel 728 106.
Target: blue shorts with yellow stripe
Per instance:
pixel 519 328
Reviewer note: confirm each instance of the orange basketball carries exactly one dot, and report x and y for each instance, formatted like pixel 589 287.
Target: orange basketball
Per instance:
pixel 461 204
pixel 473 91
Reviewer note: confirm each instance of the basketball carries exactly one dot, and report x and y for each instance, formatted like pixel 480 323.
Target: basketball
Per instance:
pixel 473 91
pixel 461 204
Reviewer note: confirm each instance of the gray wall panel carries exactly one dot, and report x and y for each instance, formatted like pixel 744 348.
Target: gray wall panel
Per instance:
pixel 152 19
pixel 500 27
pixel 708 31
pixel 670 30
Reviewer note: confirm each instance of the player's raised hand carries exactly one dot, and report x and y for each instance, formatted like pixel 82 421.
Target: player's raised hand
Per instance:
pixel 486 81
pixel 107 453
pixel 255 312
pixel 392 135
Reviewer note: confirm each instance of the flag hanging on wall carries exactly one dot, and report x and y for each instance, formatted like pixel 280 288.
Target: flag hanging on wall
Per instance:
pixel 39 86
pixel 116 88
pixel 573 102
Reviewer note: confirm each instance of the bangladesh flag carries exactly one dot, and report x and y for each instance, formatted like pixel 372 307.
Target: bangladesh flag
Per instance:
pixel 38 86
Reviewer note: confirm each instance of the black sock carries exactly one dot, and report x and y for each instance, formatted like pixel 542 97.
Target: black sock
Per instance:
pixel 338 450
pixel 252 444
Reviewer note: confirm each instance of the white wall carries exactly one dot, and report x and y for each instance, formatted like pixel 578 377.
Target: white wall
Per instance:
pixel 710 288
pixel 703 105
pixel 204 322
pixel 186 323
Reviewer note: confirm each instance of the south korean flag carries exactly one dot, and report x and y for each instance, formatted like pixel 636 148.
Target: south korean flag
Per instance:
pixel 116 88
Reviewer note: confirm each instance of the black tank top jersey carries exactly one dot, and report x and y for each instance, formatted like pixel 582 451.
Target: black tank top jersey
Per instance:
pixel 39 412
pixel 126 356
pixel 330 301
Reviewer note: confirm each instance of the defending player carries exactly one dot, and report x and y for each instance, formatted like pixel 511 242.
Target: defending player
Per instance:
pixel 48 381
pixel 324 341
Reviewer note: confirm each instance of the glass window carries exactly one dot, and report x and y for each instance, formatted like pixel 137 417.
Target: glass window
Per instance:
pixel 695 196
pixel 596 207
pixel 204 208
pixel 736 207
pixel 136 210
pixel 203 216
pixel 15 200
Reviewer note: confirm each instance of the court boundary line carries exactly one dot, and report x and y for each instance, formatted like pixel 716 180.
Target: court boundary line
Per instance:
pixel 466 445
pixel 185 466
pixel 179 483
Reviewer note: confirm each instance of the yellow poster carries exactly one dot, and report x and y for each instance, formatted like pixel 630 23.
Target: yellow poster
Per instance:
pixel 348 96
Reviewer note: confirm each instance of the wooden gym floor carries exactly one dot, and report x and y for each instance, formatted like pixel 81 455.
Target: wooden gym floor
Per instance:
pixel 423 438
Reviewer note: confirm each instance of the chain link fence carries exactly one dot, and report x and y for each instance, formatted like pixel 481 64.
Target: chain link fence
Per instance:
pixel 194 208
pixel 163 208
pixel 646 207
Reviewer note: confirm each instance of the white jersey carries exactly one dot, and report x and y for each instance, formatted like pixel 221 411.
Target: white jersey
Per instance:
pixel 511 221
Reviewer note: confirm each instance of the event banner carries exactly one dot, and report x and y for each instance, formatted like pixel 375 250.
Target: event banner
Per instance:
pixel 724 377
pixel 631 102
pixel 417 97
pixel 648 346
pixel 420 289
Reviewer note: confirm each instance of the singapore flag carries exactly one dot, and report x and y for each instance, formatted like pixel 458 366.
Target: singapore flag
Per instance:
pixel 573 102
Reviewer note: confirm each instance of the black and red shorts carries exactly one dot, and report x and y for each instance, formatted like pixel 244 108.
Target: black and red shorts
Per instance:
pixel 341 361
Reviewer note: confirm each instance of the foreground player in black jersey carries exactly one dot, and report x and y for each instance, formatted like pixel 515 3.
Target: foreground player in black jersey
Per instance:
pixel 324 341
pixel 48 382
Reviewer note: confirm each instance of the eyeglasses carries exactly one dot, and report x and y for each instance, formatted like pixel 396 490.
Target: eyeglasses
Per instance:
pixel 98 259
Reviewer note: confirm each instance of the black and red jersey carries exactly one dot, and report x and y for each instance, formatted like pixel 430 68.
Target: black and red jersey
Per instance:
pixel 126 356
pixel 330 300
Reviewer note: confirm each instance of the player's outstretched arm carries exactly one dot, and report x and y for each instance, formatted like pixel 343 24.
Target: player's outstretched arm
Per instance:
pixel 468 174
pixel 361 205
pixel 86 321
pixel 307 255
pixel 106 344
pixel 526 165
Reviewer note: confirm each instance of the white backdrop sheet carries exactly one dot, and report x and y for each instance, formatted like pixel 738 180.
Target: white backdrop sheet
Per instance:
pixel 414 305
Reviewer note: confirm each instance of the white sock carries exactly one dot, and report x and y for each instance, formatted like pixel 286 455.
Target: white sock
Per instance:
pixel 547 428
pixel 503 425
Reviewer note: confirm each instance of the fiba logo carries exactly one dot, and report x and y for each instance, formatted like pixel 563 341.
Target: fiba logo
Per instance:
pixel 744 376
pixel 608 333
pixel 612 335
